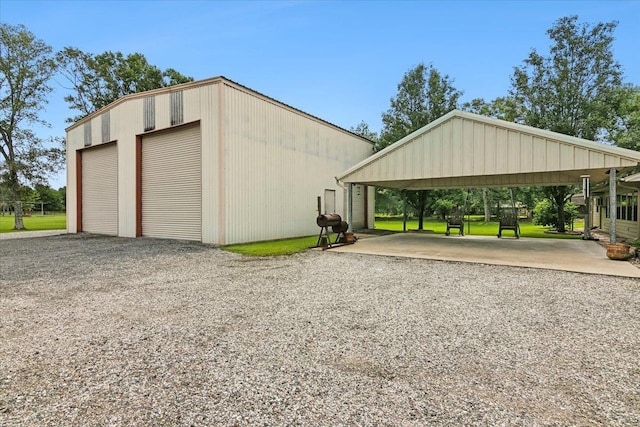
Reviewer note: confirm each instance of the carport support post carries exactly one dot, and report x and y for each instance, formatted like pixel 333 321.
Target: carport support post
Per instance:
pixel 350 206
pixel 586 192
pixel 613 209
pixel 404 210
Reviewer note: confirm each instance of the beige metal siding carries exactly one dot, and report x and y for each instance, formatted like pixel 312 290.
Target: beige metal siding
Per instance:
pixel 206 99
pixel 358 207
pixel 277 163
pixel 171 184
pixel 626 229
pixel 100 190
pixel 127 122
pixel 73 143
pixel 329 201
pixel 162 111
pixel 463 149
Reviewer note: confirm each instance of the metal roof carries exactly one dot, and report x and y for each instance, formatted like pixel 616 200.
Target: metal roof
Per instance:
pixel 462 149
pixel 205 82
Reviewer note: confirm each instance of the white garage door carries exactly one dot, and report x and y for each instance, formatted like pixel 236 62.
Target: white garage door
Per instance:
pixel 100 190
pixel 172 184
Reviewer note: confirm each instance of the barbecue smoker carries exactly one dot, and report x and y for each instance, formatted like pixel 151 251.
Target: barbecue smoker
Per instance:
pixel 337 225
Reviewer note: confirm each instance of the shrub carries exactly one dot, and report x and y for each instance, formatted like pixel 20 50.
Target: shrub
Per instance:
pixel 546 213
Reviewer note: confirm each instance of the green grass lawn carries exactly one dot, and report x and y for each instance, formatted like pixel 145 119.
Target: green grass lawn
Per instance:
pixel 274 247
pixel 477 228
pixel 35 222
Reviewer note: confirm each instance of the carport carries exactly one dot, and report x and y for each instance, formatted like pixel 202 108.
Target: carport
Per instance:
pixel 465 150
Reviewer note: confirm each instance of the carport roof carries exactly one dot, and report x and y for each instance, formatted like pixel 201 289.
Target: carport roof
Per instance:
pixel 463 149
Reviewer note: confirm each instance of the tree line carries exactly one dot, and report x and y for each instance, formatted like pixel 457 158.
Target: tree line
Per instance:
pixel 39 198
pixel 27 67
pixel 576 88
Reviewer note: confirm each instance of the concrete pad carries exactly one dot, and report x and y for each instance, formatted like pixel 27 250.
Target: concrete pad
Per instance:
pixel 580 256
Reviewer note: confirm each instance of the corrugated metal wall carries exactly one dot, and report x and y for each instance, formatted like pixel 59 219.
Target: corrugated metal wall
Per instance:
pixel 206 99
pixel 259 160
pixel 463 148
pixel 358 206
pixel 126 123
pixel 277 164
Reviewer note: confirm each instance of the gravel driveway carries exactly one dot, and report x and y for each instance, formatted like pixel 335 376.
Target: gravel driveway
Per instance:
pixel 100 331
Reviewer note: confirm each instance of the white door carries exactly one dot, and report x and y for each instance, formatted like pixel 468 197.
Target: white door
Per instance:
pixel 172 184
pixel 100 190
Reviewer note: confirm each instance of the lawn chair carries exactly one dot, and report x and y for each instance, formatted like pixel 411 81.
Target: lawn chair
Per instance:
pixel 509 221
pixel 455 220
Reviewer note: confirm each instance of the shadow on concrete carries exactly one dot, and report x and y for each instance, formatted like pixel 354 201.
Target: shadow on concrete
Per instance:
pixel 574 255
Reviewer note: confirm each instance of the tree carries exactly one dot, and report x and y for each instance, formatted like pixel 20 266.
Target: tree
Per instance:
pixel 63 196
pixel 424 95
pixel 98 80
pixel 545 213
pixel 626 133
pixel 26 66
pixel 51 198
pixel 503 108
pixel 572 89
pixel 363 130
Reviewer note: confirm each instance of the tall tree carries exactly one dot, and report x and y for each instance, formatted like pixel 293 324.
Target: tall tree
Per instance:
pixel 503 108
pixel 572 89
pixel 26 66
pixel 626 133
pixel 98 80
pixel 424 95
pixel 363 130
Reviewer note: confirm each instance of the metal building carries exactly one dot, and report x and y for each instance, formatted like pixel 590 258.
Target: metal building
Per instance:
pixel 211 161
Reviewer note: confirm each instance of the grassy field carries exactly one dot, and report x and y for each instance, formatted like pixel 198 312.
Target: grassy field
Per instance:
pixel 35 222
pixel 274 247
pixel 477 227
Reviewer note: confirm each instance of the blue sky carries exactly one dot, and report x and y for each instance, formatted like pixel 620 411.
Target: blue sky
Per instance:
pixel 340 61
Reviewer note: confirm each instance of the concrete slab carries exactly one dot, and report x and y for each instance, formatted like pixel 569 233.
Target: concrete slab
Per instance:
pixel 554 254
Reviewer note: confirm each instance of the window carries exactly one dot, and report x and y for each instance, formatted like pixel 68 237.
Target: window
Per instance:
pixel 176 105
pixel 626 207
pixel 106 127
pixel 87 133
pixel 149 113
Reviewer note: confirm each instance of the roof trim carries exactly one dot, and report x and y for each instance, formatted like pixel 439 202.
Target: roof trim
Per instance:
pixel 631 178
pixel 206 82
pixel 591 145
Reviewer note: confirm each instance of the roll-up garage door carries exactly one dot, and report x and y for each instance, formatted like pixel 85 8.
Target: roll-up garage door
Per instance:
pixel 100 190
pixel 172 184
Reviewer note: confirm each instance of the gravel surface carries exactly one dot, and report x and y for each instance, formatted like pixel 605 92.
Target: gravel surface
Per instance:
pixel 98 331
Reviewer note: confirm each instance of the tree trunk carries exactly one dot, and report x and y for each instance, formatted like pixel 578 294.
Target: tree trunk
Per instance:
pixel 487 208
pixel 17 204
pixel 422 199
pixel 559 197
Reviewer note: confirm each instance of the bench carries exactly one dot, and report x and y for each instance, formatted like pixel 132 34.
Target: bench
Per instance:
pixel 509 221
